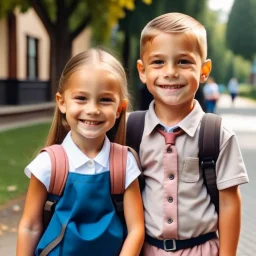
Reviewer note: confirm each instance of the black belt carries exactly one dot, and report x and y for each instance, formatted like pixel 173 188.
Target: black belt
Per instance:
pixel 175 245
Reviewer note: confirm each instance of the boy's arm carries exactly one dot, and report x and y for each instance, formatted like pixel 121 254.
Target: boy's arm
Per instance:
pixel 134 217
pixel 31 224
pixel 229 220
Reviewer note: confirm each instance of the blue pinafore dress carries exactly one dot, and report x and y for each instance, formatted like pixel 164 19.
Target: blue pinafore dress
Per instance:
pixel 86 215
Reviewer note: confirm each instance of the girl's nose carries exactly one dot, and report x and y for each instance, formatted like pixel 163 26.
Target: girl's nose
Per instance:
pixel 92 109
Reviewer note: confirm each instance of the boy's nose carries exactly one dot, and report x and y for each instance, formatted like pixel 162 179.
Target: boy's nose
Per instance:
pixel 170 72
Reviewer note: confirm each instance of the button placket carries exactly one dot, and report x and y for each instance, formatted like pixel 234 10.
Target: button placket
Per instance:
pixel 170 162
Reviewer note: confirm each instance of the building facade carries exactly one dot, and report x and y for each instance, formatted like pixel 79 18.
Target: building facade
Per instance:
pixel 25 58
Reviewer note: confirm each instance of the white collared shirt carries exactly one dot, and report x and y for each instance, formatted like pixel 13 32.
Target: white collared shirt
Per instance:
pixel 40 167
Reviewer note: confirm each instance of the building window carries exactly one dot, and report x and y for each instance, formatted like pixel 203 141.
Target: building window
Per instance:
pixel 32 57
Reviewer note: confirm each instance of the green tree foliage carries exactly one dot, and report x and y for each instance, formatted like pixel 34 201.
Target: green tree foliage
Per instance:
pixel 241 28
pixel 65 19
pixel 133 23
pixel 225 63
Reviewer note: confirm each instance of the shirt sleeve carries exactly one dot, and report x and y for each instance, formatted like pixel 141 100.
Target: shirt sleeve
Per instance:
pixel 40 167
pixel 230 166
pixel 132 170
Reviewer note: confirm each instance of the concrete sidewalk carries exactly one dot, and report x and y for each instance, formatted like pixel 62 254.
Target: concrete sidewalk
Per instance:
pixel 241 118
pixel 12 117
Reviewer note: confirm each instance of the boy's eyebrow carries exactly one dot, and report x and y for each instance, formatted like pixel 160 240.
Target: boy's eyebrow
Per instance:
pixel 156 55
pixel 161 55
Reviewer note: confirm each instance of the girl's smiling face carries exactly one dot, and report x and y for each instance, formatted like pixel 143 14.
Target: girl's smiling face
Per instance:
pixel 90 103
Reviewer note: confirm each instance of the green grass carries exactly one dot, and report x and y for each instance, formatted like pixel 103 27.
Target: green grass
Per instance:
pixel 17 149
pixel 247 91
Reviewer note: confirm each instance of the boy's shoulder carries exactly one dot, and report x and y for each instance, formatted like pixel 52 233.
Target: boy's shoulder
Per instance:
pixel 226 133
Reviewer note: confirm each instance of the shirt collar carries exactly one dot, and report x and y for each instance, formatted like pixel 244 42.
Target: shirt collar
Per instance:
pixel 151 119
pixel 189 124
pixel 78 158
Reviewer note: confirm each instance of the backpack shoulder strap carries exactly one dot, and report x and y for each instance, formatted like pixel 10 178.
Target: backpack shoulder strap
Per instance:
pixel 209 147
pixel 117 164
pixel 59 171
pixel 135 128
pixel 118 160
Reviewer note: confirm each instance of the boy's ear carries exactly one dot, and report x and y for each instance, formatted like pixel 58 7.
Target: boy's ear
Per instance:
pixel 61 103
pixel 141 70
pixel 205 70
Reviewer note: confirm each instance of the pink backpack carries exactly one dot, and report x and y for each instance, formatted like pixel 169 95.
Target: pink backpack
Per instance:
pixel 59 173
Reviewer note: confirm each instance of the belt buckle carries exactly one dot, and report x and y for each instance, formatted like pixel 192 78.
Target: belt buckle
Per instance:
pixel 173 245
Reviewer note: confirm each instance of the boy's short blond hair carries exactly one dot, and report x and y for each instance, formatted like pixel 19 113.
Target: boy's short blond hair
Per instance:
pixel 175 23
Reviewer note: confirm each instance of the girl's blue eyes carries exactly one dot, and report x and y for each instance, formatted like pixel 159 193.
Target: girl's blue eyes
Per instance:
pixel 104 100
pixel 80 98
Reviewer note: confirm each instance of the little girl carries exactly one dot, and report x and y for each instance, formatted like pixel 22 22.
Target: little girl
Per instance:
pixel 91 101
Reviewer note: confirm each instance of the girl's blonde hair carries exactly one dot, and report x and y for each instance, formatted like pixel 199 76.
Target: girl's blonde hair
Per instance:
pixel 94 56
pixel 175 23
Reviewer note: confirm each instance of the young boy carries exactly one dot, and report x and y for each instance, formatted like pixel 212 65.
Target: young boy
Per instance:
pixel 178 211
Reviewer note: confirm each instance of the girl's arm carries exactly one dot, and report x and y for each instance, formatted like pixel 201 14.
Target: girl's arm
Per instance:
pixel 31 224
pixel 229 220
pixel 134 217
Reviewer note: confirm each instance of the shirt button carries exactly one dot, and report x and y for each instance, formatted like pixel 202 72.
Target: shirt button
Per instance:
pixel 171 176
pixel 90 163
pixel 169 221
pixel 170 199
pixel 169 150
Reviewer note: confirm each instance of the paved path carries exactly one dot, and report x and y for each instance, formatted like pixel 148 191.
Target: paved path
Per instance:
pixel 241 118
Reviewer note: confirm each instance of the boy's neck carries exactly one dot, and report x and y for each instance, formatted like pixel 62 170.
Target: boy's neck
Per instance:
pixel 172 115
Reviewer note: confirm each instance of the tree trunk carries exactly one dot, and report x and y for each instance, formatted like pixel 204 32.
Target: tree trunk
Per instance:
pixel 61 47
pixel 126 49
pixel 60 54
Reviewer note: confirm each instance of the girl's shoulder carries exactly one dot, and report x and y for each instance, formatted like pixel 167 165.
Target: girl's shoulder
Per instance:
pixel 132 169
pixel 40 167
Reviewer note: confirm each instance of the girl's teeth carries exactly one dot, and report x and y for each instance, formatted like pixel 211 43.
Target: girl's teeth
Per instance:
pixel 91 123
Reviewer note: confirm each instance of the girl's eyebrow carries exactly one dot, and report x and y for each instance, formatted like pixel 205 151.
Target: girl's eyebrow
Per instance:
pixel 78 92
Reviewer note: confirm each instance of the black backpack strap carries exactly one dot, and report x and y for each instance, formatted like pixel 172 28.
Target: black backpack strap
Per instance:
pixel 209 147
pixel 134 132
pixel 135 128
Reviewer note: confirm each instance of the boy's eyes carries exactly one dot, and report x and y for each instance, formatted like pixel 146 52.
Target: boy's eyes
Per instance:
pixel 182 62
pixel 161 62
pixel 157 62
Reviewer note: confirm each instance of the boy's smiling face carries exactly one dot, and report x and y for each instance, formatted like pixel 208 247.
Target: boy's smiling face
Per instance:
pixel 172 68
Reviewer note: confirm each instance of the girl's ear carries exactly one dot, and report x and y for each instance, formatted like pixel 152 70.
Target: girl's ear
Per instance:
pixel 141 70
pixel 118 114
pixel 121 108
pixel 205 70
pixel 61 103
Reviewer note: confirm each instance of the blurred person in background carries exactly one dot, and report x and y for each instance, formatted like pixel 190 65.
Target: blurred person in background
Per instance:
pixel 211 95
pixel 233 88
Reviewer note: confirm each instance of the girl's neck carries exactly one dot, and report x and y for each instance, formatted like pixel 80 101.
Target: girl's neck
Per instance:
pixel 90 147
pixel 172 115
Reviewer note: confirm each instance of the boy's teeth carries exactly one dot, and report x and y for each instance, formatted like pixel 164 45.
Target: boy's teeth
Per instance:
pixel 172 86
